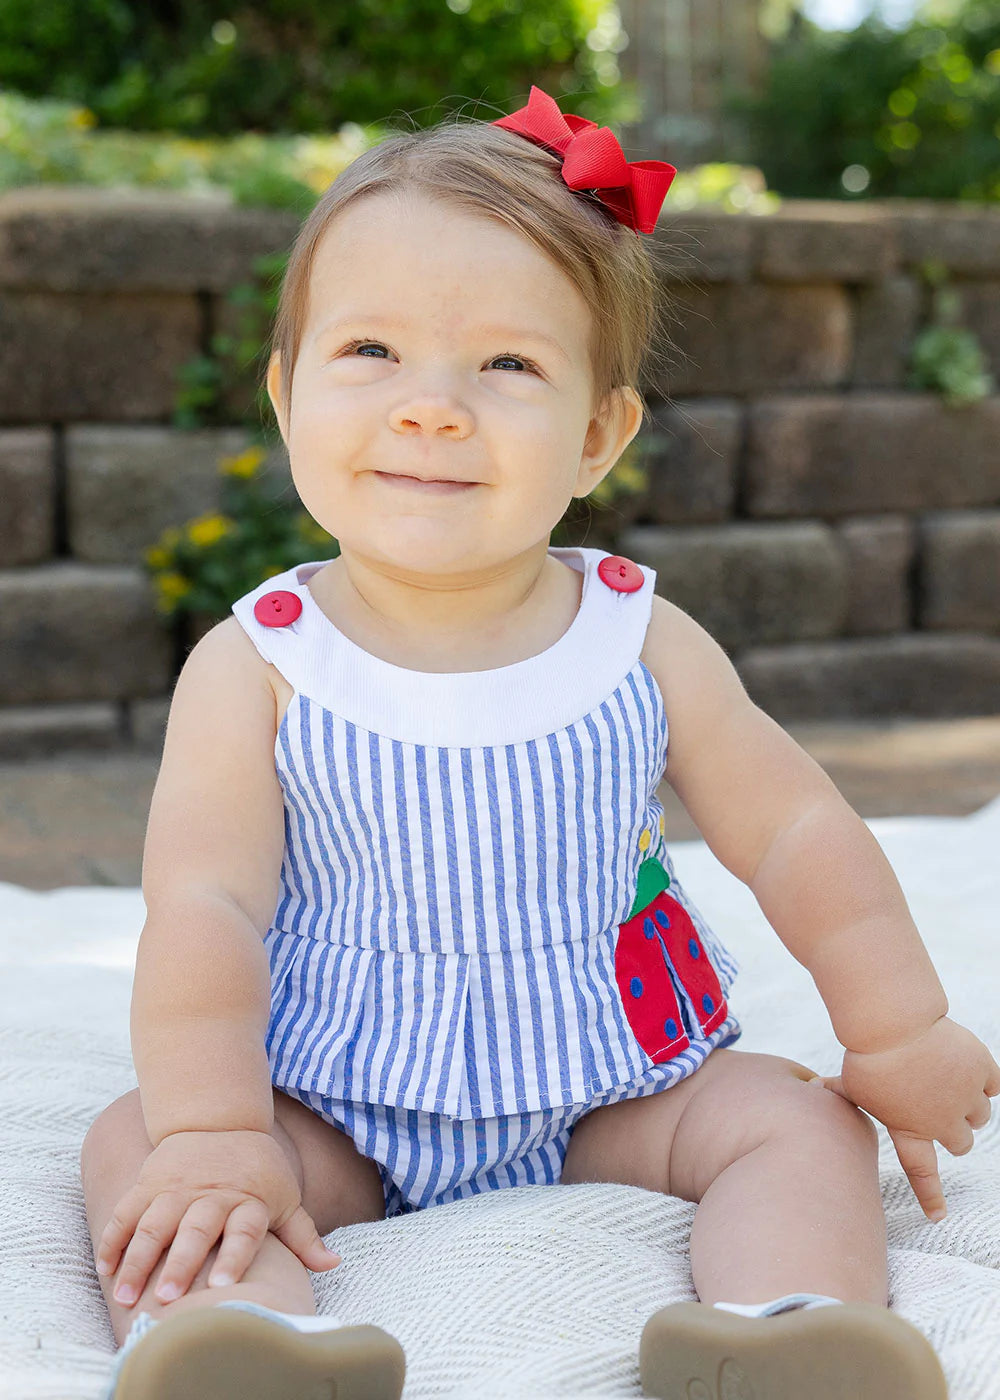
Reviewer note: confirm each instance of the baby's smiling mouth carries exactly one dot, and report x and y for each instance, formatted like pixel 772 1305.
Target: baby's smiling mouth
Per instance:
pixel 434 486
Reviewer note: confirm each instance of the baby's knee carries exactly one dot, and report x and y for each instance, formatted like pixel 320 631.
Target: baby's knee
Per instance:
pixel 825 1114
pixel 120 1125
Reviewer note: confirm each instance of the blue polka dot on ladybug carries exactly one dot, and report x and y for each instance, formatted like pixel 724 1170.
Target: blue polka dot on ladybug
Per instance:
pixel 659 964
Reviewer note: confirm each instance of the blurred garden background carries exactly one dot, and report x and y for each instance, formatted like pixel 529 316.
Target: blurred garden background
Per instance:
pixel 819 482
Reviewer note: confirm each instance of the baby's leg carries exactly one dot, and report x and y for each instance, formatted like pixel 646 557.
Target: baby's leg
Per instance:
pixel 785 1174
pixel 339 1187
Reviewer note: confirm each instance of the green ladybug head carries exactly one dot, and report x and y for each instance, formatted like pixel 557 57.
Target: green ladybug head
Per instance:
pixel 652 880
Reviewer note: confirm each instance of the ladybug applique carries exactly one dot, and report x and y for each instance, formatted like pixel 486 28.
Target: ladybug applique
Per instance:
pixel 659 937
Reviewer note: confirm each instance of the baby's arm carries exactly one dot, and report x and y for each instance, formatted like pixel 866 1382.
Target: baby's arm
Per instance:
pixel 201 994
pixel 776 820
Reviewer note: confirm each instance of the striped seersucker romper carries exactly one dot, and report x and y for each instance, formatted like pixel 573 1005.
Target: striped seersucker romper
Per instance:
pixel 479 934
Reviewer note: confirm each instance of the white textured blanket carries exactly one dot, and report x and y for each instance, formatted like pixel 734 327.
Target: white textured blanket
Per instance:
pixel 530 1292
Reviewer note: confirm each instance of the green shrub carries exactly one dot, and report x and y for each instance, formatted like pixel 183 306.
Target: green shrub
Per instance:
pixel 879 112
pixel 303 65
pixel 946 357
pixel 202 567
pixel 45 141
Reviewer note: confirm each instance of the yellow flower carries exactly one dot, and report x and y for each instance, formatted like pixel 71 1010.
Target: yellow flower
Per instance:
pixel 244 464
pixel 157 558
pixel 84 118
pixel 644 841
pixel 172 587
pixel 208 528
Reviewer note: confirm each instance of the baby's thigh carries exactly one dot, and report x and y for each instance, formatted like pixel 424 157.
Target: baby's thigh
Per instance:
pixel 679 1140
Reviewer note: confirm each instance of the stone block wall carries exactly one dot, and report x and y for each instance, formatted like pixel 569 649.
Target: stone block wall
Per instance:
pixel 836 532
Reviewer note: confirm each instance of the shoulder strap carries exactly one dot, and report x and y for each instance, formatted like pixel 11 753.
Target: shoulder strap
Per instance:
pixel 285 647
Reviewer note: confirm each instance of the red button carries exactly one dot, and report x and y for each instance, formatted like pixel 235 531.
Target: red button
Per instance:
pixel 277 609
pixel 620 574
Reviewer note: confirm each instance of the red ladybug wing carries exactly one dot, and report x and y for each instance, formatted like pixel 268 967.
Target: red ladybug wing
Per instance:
pixel 647 992
pixel 686 952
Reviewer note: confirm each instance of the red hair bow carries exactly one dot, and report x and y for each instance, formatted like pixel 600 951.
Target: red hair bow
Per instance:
pixel 634 191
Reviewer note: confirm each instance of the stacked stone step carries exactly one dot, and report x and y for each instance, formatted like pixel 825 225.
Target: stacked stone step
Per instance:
pixel 838 533
pixel 103 296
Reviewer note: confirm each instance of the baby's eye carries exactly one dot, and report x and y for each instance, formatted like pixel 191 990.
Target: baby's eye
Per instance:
pixel 521 359
pixel 358 347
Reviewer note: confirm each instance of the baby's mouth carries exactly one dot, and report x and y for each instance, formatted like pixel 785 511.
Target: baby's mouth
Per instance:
pixel 413 483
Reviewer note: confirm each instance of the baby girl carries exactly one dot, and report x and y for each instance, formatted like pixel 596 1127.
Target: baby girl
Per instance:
pixel 413 932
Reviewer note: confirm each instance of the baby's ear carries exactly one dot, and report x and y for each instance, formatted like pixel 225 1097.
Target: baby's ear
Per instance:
pixel 614 425
pixel 274 392
pixel 611 430
pixel 631 409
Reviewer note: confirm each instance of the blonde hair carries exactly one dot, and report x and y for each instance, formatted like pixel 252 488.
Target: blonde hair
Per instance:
pixel 485 170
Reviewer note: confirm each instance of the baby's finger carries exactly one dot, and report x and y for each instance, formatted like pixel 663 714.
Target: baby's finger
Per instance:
pixel 245 1231
pixel 981 1116
pixel 993 1079
pixel 120 1228
pixel 152 1235
pixel 918 1159
pixel 196 1233
pixel 299 1233
pixel 960 1141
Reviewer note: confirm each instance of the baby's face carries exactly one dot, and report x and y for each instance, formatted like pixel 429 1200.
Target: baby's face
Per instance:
pixel 471 365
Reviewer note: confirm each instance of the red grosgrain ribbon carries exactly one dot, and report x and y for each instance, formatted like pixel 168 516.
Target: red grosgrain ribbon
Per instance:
pixel 593 160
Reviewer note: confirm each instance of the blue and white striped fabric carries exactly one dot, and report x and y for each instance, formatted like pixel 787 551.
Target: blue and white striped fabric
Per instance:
pixel 460 850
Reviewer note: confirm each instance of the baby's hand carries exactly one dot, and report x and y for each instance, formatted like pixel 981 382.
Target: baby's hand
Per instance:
pixel 194 1187
pixel 936 1086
